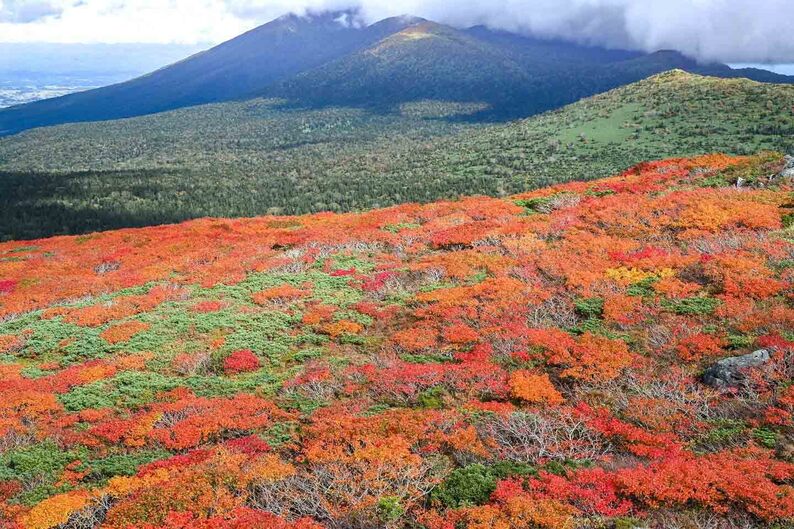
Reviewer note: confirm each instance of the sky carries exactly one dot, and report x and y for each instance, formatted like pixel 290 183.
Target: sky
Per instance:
pixel 734 31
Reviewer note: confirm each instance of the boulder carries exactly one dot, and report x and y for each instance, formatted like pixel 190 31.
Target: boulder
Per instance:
pixel 788 170
pixel 731 371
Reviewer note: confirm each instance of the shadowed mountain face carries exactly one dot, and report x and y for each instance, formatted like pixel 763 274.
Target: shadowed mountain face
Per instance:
pixel 233 70
pixel 326 60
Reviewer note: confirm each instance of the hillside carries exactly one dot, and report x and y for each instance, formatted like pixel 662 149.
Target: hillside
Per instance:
pixel 251 158
pixel 233 70
pixel 331 58
pixel 545 360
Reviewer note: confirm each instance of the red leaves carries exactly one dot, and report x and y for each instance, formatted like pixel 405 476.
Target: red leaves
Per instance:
pixel 190 421
pixel 123 331
pixel 241 361
pixel 7 286
pixel 249 445
pixel 404 381
pixel 699 347
pixel 240 518
pixel 279 293
pixel 592 491
pixel 590 358
pixel 535 388
pixel 721 481
pixel 205 307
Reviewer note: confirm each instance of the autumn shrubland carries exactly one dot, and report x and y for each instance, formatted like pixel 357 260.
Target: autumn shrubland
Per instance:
pixel 533 361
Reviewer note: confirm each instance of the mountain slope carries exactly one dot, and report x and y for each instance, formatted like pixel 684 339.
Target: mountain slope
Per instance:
pixel 514 76
pixel 423 61
pixel 241 159
pixel 232 70
pixel 530 361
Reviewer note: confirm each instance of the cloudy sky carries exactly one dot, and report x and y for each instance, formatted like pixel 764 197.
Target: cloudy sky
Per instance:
pixel 750 31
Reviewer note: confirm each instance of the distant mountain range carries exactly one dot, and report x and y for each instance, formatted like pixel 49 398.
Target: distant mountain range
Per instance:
pixel 326 60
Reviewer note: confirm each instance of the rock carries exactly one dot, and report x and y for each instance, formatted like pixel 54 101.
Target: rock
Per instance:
pixel 785 446
pixel 730 371
pixel 788 170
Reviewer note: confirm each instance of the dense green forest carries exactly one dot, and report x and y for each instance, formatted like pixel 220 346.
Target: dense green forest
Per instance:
pixel 258 157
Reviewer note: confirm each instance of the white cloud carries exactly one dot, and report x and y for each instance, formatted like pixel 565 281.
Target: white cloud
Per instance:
pixel 24 11
pixel 726 30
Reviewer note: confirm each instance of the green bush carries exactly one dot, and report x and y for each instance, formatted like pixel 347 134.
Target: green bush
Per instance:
pixel 431 399
pixel 467 486
pixel 121 464
pixel 37 467
pixel 590 307
pixel 389 509
pixel 765 437
pixel 126 389
pixel 691 306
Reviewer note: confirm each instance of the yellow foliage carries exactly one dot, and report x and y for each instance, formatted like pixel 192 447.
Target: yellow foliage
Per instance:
pixel 628 276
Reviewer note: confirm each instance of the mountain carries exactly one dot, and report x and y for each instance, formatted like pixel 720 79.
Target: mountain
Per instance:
pixel 249 158
pixel 426 61
pixel 511 75
pixel 233 70
pixel 539 361
pixel 330 59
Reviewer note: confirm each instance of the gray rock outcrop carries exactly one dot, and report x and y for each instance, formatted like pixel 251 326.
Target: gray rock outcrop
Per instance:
pixel 788 170
pixel 731 371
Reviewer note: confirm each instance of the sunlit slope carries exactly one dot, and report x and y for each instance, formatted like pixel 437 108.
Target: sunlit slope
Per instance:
pixel 528 361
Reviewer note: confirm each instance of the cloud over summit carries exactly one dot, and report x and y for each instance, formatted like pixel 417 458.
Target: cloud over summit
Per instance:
pixel 721 30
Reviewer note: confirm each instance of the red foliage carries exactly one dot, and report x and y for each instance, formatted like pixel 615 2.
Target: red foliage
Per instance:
pixel 721 481
pixel 241 361
pixel 699 347
pixel 240 518
pixel 7 286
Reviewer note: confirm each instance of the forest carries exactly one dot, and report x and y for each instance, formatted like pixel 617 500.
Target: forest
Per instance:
pixel 612 353
pixel 260 157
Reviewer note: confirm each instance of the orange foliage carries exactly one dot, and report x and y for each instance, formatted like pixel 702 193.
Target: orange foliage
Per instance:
pixel 123 331
pixel 535 388
pixel 338 328
pixel 56 510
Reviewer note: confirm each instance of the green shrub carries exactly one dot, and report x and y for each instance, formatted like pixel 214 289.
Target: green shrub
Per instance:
pixel 590 307
pixel 431 399
pixel 37 467
pixel 126 389
pixel 121 464
pixel 389 509
pixel 467 486
pixel 691 306
pixel 642 288
pixel 506 469
pixel 765 437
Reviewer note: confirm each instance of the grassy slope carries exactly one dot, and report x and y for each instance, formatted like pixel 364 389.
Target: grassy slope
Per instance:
pixel 249 158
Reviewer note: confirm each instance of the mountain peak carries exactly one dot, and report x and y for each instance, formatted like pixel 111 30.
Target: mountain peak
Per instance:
pixel 346 18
